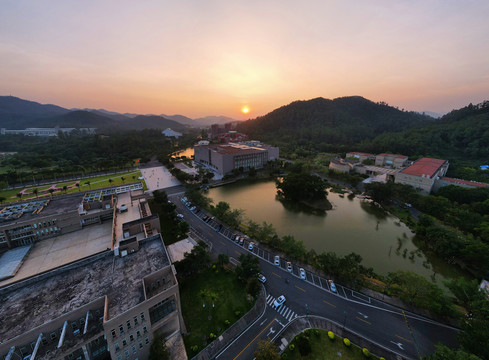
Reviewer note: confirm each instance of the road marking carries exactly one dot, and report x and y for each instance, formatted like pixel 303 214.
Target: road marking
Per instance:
pixel 365 321
pixel 276 274
pixel 263 322
pixel 222 242
pixel 400 337
pixel 329 303
pixel 237 252
pixel 254 339
pixel 300 288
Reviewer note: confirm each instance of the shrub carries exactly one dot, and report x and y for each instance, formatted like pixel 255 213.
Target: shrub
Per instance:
pixel 227 322
pixel 366 352
pixel 304 345
pixel 291 347
pixel 317 333
pixel 331 335
pixel 346 342
pixel 195 348
pixel 237 313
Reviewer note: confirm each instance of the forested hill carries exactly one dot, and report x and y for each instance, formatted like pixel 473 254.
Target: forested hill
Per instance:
pixel 460 134
pixel 324 122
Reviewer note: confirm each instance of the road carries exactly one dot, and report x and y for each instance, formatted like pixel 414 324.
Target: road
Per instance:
pixel 404 333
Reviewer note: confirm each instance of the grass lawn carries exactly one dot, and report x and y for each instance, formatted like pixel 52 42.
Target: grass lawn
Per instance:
pixel 95 183
pixel 325 349
pixel 231 304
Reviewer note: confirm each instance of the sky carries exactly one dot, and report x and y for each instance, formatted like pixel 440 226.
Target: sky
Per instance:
pixel 199 58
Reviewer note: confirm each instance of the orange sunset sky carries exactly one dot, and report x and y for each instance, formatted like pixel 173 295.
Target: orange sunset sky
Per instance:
pixel 200 58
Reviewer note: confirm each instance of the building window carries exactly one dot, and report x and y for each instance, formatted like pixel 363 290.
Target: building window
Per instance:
pixel 113 333
pixel 116 346
pixel 134 349
pixel 146 340
pixel 135 321
pixel 121 329
pixel 138 333
pixel 119 357
pixel 53 335
pixel 131 337
pixel 124 342
pixel 140 344
pixel 145 329
pixel 126 352
pixel 128 323
pixel 142 316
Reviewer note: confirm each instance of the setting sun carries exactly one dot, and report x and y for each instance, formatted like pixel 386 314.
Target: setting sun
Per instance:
pixel 245 110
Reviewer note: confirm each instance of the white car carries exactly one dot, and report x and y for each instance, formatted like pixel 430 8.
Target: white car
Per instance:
pixel 277 260
pixel 250 246
pixel 180 216
pixel 302 273
pixel 280 300
pixel 332 286
pixel 262 278
pixel 289 266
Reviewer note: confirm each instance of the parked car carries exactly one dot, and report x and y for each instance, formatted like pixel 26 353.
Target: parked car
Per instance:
pixel 204 219
pixel 277 260
pixel 280 300
pixel 332 286
pixel 180 216
pixel 289 266
pixel 241 241
pixel 193 208
pixel 237 238
pixel 219 227
pixel 302 274
pixel 250 246
pixel 262 278
pixel 208 219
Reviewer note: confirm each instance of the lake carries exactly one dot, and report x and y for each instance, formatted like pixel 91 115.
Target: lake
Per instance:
pixel 353 225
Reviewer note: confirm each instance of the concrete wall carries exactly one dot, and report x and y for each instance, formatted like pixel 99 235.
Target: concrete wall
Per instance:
pixel 423 184
pixel 336 166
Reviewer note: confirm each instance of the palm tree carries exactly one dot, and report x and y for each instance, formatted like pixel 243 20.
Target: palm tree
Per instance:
pixel 19 195
pixel 123 179
pixel 213 296
pixel 88 183
pixel 110 182
pixel 78 186
pixel 65 188
pixel 36 192
pixel 51 191
pixel 134 177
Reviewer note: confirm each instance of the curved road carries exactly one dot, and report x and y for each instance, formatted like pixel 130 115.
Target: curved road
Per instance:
pixel 407 334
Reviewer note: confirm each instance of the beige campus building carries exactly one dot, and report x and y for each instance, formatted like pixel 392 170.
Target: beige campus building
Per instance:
pixel 423 174
pixel 108 304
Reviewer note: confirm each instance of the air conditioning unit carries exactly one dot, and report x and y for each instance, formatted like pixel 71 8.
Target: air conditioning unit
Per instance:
pixel 123 253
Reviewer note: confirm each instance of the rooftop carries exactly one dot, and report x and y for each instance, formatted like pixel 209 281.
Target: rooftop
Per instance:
pixel 465 182
pixel 38 208
pixel 233 148
pixel 427 167
pixel 359 153
pixel 41 299
pixel 394 155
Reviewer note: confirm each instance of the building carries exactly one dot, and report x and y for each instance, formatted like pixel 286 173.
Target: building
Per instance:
pixel 224 158
pixel 104 305
pixel 217 129
pixel 393 160
pixel 109 304
pixel 232 136
pixel 46 132
pixel 171 133
pixel 31 221
pixel 340 165
pixel 446 181
pixel 360 156
pixel 422 174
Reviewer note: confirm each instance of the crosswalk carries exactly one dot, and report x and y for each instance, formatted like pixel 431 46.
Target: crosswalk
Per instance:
pixel 283 310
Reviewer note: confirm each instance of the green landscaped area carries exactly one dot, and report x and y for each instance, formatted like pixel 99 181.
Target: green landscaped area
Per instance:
pixel 230 304
pixel 324 349
pixel 95 183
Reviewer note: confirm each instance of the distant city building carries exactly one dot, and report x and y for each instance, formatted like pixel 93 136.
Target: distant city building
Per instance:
pixel 224 158
pixel 46 132
pixel 422 174
pixel 396 161
pixel 107 305
pixel 217 129
pixel 232 136
pixel 171 133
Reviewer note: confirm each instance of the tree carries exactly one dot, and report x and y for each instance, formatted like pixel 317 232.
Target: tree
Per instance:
pixel 65 188
pixel 36 192
pixel 78 186
pixel 123 179
pixel 51 191
pixel 213 297
pixel 158 349
pixel 253 287
pixel 204 295
pixel 222 259
pixel 465 291
pixel 110 182
pixel 89 184
pixel 2 199
pixel 266 350
pixel 445 353
pixel 248 267
pixel 19 195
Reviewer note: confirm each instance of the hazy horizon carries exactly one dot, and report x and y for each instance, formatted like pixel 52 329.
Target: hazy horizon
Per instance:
pixel 216 57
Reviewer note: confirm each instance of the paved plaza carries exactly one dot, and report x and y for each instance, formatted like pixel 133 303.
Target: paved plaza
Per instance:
pixel 158 178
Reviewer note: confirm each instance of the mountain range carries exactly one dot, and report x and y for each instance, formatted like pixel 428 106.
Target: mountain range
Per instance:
pixel 16 113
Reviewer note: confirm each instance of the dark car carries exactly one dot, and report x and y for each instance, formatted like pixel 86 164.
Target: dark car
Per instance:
pixel 219 227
